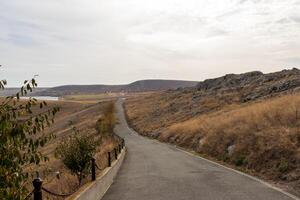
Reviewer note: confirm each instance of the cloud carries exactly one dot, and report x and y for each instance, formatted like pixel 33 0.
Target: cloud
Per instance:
pixel 292 60
pixel 283 21
pixel 242 1
pixel 252 1
pixel 230 13
pixel 296 19
pixel 21 40
pixel 217 32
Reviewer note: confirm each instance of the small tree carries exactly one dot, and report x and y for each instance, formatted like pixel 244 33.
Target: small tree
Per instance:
pixel 20 138
pixel 105 125
pixel 76 154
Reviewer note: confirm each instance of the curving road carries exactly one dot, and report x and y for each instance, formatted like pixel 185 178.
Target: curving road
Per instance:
pixel 156 171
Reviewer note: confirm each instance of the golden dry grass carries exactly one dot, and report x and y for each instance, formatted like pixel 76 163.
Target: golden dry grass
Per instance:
pixel 84 116
pixel 152 113
pixel 264 135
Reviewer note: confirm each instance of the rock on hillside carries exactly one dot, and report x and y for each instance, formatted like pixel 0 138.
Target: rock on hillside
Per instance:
pixel 253 85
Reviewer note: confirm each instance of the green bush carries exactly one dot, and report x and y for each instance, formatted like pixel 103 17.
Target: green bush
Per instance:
pixel 76 154
pixel 241 160
pixel 283 166
pixel 20 139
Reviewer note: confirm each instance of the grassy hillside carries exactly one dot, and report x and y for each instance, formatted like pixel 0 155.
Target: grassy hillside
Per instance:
pixel 84 117
pixel 250 121
pixel 262 136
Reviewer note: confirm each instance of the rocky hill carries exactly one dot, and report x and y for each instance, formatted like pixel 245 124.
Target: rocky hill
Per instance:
pixel 138 86
pixel 214 94
pixel 249 121
pixel 253 85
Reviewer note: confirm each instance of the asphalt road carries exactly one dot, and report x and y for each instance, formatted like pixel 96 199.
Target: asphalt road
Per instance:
pixel 156 171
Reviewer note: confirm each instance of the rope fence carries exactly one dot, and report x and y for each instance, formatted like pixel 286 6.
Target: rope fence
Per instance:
pixel 37 183
pixel 29 195
pixel 56 194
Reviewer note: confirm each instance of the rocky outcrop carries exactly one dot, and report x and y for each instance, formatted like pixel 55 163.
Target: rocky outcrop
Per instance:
pixel 253 85
pixel 231 81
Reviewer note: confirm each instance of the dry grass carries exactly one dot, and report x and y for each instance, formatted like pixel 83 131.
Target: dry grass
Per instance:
pixel 261 137
pixel 151 114
pixel 84 116
pixel 92 98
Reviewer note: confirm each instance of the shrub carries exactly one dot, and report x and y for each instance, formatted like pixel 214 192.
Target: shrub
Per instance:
pixel 105 125
pixel 283 166
pixel 241 160
pixel 76 154
pixel 20 139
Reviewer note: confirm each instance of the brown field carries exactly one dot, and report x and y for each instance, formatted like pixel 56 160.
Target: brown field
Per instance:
pixel 261 137
pixel 82 115
pixel 93 98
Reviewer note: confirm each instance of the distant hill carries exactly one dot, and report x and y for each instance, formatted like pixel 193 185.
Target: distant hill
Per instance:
pixel 138 86
pixel 12 91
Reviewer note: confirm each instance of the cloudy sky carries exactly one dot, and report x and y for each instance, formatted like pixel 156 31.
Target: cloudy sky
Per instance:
pixel 119 41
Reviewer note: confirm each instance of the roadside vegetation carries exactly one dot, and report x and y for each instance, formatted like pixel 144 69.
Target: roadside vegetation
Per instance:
pixel 76 153
pixel 105 124
pixel 29 139
pixel 78 149
pixel 77 141
pixel 21 126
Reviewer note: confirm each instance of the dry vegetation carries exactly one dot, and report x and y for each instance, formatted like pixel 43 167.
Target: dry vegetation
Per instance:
pixel 91 97
pixel 261 137
pixel 101 97
pixel 84 117
pixel 163 109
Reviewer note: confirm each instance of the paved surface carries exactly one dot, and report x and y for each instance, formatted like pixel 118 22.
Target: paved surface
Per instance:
pixel 155 171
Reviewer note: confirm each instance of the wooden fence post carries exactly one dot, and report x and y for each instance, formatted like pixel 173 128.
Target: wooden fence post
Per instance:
pixel 116 154
pixel 93 169
pixel 37 192
pixel 123 143
pixel 109 159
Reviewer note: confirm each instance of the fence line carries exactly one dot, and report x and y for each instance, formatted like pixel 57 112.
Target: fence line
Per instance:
pixel 38 182
pixel 56 194
pixel 29 195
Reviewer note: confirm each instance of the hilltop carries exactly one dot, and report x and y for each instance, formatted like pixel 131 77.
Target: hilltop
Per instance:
pixel 138 86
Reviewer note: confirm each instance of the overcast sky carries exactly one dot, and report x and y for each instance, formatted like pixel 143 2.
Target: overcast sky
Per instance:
pixel 119 41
